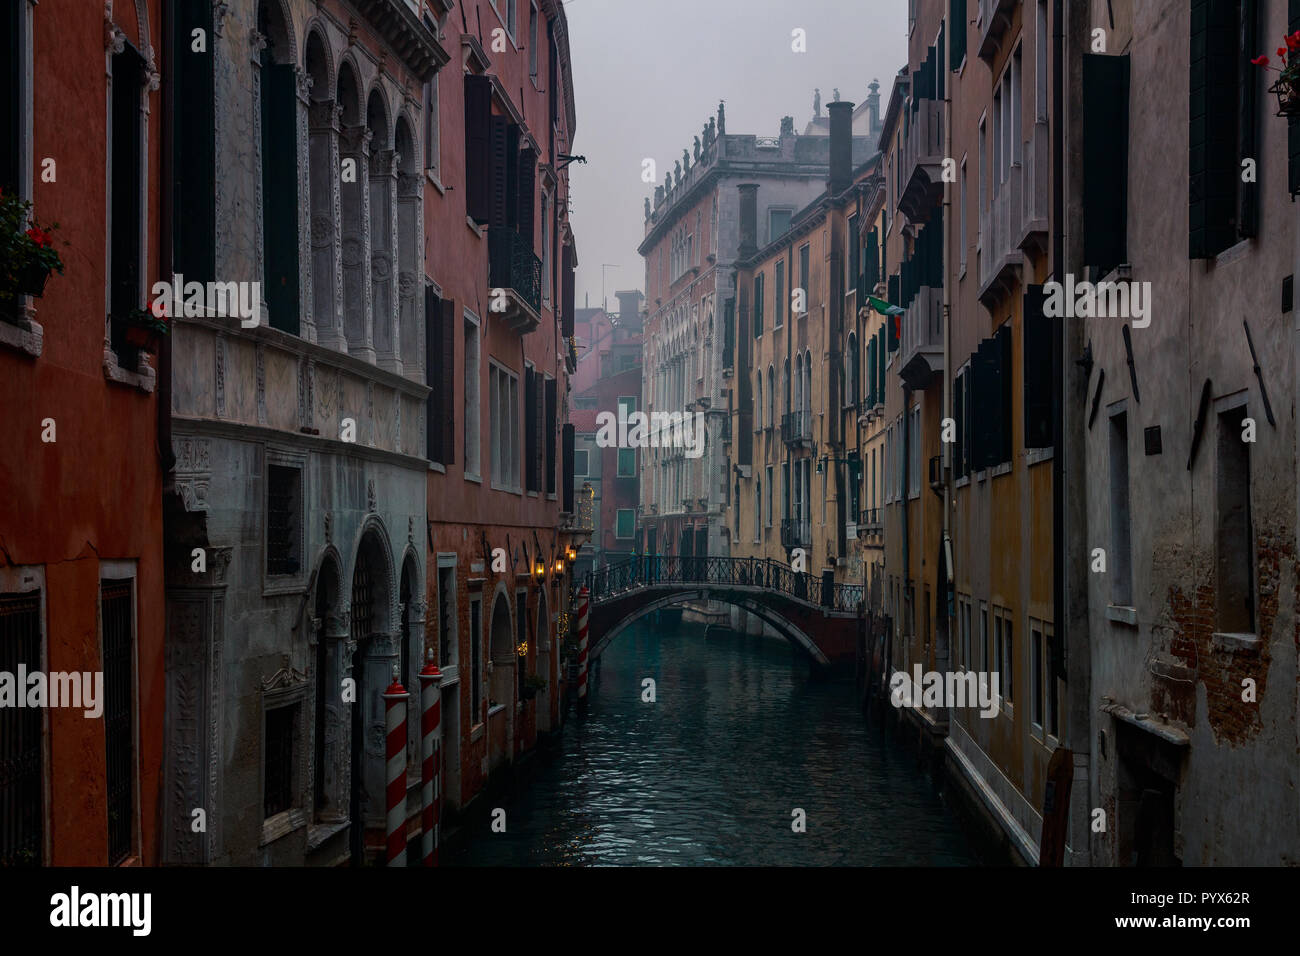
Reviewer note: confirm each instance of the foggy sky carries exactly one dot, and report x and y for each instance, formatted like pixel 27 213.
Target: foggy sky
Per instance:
pixel 648 76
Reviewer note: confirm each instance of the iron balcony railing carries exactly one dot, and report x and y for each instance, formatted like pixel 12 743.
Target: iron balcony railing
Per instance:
pixel 666 571
pixel 796 427
pixel 512 265
pixel 795 533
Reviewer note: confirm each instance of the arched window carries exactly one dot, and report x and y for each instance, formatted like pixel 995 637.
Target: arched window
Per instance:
pixel 352 229
pixel 798 383
pixel 758 407
pixel 278 102
pixel 854 392
pixel 771 397
pixel 410 232
pixel 322 181
pixel 382 300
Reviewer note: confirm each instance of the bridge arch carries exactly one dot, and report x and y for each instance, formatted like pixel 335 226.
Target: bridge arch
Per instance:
pixel 792 633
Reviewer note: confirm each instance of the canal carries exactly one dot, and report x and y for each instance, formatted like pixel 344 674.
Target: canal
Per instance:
pixel 739 736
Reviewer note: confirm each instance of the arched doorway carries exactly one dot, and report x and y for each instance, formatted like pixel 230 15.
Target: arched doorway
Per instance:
pixel 371 672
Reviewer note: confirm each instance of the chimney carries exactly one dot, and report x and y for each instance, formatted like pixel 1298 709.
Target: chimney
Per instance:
pixel 873 106
pixel 748 220
pixel 841 176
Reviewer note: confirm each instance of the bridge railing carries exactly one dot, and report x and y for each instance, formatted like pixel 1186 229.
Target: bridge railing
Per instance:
pixel 666 570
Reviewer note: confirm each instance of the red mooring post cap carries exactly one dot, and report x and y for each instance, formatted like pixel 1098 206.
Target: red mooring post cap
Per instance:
pixel 430 672
pixel 395 689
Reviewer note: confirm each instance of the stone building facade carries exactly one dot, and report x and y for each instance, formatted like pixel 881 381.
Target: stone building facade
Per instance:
pixel 692 243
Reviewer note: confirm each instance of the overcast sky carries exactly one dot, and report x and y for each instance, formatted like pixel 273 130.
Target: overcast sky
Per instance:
pixel 648 76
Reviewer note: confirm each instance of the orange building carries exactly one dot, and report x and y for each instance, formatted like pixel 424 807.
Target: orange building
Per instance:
pixel 81 578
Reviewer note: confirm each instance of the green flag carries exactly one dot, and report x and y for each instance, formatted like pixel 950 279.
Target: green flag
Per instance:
pixel 883 307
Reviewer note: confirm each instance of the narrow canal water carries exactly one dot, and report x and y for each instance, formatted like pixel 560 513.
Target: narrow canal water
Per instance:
pixel 739 736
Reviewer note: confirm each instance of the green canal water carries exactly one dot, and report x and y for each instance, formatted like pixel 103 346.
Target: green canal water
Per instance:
pixel 740 735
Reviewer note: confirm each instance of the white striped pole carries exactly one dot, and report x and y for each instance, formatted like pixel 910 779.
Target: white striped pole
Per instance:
pixel 395 711
pixel 430 718
pixel 584 613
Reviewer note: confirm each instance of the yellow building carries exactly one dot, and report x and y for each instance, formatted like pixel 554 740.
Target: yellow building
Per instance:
pixel 798 481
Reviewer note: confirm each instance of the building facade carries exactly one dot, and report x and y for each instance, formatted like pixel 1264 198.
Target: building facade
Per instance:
pixel 1186 464
pixel 693 333
pixel 372 471
pixel 81 574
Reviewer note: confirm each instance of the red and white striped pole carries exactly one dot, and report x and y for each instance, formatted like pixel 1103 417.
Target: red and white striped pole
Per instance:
pixel 584 613
pixel 431 799
pixel 395 712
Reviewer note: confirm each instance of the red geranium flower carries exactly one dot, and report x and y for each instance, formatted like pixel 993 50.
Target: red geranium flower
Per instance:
pixel 40 237
pixel 1261 60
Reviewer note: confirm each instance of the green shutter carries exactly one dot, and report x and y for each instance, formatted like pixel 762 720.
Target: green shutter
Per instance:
pixel 1006 400
pixel 1105 160
pixel 959 416
pixel 1212 135
pixel 957 17
pixel 1247 111
pixel 1037 370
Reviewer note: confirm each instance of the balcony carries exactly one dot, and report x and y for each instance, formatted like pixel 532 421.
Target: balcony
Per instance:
pixel 994 22
pixel 923 162
pixel 1001 228
pixel 1037 191
pixel 870 523
pixel 796 429
pixel 796 533
pixel 920 350
pixel 513 268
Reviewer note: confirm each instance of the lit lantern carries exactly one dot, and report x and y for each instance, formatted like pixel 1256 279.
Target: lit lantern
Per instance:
pixel 559 566
pixel 539 569
pixel 572 555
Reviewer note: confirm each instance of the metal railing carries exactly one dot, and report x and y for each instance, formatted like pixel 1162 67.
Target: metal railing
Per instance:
pixel 796 427
pixel 1002 225
pixel 512 265
pixel 646 571
pixel 795 533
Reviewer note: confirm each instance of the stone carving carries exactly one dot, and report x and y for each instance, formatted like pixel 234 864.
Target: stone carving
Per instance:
pixel 286 678
pixel 261 384
pixel 370 495
pixel 322 231
pixel 697 149
pixel 219 8
pixel 329 528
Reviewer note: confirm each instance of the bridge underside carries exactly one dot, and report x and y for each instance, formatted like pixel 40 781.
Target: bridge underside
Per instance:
pixel 828 637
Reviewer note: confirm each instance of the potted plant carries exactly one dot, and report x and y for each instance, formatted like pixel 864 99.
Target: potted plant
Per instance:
pixel 143 329
pixel 532 684
pixel 27 253
pixel 1287 85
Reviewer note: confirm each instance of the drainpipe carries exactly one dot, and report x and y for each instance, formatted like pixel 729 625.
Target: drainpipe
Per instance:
pixel 943 661
pixel 906 462
pixel 166 458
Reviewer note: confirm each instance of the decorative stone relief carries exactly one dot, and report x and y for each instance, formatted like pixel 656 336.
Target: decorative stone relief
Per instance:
pixel 261 384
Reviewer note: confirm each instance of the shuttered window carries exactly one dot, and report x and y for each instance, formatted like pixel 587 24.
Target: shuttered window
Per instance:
pixel 22 789
pixel 566 454
pixel 551 410
pixel 957 17
pixel 527 196
pixel 117 617
pixel 1105 160
pixel 1005 403
pixel 1293 122
pixel 566 278
pixel 440 376
pixel 959 469
pixel 478 148
pixel 1218 72
pixel 758 305
pixel 13 98
pixel 193 148
pixel 125 289
pixel 745 439
pixel 1037 371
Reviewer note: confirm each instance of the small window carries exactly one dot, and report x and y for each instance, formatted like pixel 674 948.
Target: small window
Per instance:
pixel 448 651
pixel 281 731
pixel 580 463
pixel 778 223
pixel 625 526
pixel 627 462
pixel 283 520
